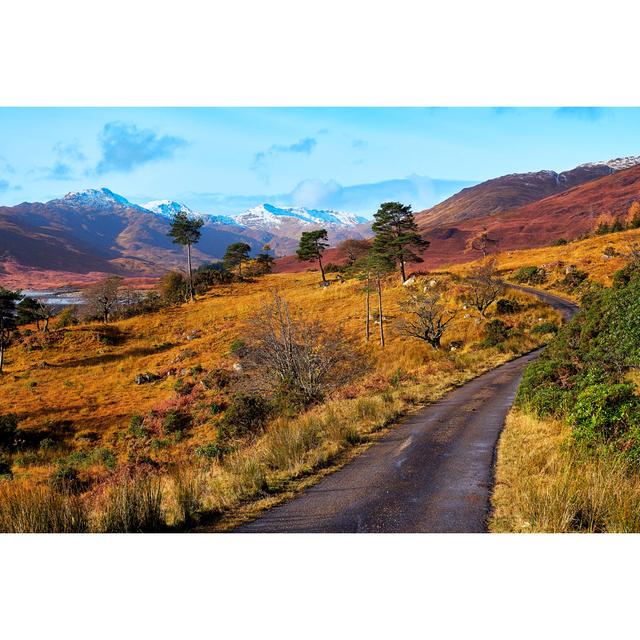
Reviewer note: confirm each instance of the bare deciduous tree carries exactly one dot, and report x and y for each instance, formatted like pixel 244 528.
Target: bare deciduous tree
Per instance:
pixel 484 286
pixel 103 298
pixel 428 317
pixel 286 353
pixel 482 243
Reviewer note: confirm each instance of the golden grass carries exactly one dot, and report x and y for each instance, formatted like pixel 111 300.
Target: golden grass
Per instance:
pixel 587 255
pixel 543 484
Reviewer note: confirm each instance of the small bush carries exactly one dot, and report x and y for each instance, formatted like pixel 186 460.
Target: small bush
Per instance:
pixel 136 426
pixel 8 431
pixel 212 451
pixel 495 332
pixel 530 275
pixel 574 279
pixel 559 242
pixel 175 421
pixel 238 348
pixel 5 468
pixel 507 305
pixel 66 479
pixel 247 413
pixel 217 379
pixel 545 327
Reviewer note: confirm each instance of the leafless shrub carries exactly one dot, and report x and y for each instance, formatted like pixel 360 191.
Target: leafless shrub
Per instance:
pixel 103 298
pixel 298 358
pixel 484 286
pixel 428 317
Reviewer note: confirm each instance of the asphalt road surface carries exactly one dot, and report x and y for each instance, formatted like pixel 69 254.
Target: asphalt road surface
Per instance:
pixel 433 473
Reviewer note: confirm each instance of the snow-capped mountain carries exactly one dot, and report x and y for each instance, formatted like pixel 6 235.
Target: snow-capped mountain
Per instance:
pixel 617 164
pixel 96 199
pixel 268 215
pixel 167 208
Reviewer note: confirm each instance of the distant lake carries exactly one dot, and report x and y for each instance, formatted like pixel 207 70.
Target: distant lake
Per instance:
pixel 58 297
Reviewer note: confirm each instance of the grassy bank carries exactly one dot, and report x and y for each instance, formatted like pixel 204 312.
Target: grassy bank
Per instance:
pixel 545 484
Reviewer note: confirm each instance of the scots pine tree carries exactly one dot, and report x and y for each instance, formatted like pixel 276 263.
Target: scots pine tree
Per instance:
pixel 312 246
pixel 396 235
pixel 185 230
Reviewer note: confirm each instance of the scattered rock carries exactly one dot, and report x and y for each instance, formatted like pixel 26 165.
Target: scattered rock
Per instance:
pixel 194 334
pixel 144 378
pixel 237 367
pixel 409 282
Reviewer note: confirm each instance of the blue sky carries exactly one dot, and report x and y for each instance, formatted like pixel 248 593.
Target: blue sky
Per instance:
pixel 223 160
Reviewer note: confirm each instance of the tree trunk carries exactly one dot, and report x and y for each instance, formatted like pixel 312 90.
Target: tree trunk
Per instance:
pixel 402 271
pixel 380 313
pixel 190 274
pixel 321 268
pixel 46 325
pixel 240 268
pixel 368 311
pixel 1 343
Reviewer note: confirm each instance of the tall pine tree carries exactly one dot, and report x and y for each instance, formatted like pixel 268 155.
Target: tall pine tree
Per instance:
pixel 396 235
pixel 312 246
pixel 235 255
pixel 185 230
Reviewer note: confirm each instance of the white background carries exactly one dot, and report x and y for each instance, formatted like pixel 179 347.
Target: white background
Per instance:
pixel 354 52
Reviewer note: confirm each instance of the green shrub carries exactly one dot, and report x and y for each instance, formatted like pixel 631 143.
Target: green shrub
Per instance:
pixel 66 479
pixel 604 411
pixel 530 275
pixel 238 348
pixel 5 468
pixel 545 327
pixel 495 332
pixel 559 242
pixel 507 305
pixel 136 426
pixel 8 431
pixel 574 279
pixel 212 451
pixel 247 413
pixel 175 421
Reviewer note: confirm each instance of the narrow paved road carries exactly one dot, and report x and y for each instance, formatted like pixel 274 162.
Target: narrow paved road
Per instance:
pixel 433 473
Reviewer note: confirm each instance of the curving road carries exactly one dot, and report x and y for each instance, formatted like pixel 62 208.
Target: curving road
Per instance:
pixel 433 473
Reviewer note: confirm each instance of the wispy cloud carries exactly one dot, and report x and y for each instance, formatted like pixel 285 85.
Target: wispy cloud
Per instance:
pixel 68 156
pixel 589 114
pixel 70 151
pixel 419 191
pixel 304 146
pixel 58 171
pixel 359 144
pixel 125 146
pixel 4 186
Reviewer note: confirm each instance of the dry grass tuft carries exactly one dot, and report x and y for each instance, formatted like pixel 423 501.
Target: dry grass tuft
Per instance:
pixel 39 509
pixel 543 484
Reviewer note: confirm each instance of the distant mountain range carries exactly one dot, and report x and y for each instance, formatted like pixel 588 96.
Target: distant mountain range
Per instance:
pixel 98 231
pixel 523 210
